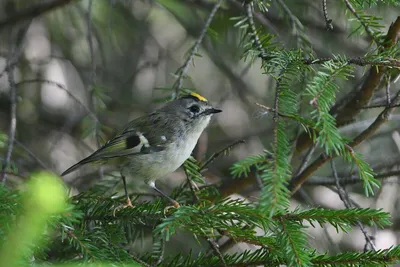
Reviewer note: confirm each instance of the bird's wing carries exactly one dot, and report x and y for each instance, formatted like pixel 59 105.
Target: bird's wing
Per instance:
pixel 138 137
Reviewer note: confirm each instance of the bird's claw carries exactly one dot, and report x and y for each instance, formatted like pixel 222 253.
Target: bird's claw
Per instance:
pixel 175 205
pixel 128 204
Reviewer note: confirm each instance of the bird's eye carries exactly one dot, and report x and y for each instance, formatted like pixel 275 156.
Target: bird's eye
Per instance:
pixel 194 109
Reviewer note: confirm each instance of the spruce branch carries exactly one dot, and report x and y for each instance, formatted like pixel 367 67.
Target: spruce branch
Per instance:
pixel 340 219
pixel 322 159
pixel 360 99
pixel 368 30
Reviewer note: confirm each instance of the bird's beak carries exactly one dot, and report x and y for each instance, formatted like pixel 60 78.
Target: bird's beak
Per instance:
pixel 211 111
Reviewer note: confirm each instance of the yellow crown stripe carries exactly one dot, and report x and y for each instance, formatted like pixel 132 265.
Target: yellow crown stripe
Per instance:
pixel 199 97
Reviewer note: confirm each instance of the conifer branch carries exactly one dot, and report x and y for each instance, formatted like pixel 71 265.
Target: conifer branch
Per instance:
pixel 322 159
pixel 363 96
pixel 366 27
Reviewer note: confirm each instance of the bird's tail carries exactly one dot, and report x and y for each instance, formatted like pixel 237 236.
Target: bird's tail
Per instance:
pixel 78 165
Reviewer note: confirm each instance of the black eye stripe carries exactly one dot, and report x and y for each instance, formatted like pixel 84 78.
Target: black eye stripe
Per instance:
pixel 194 109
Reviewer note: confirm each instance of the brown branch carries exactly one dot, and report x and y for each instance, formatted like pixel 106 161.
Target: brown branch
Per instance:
pixel 364 95
pixel 33 12
pixel 349 181
pixel 297 181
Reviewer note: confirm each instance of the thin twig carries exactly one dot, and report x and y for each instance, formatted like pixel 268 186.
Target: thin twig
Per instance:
pixel 215 247
pixel 253 29
pixel 190 183
pixel 359 61
pixel 219 153
pixel 380 106
pixel 62 87
pixel 37 159
pixel 210 240
pixel 136 258
pixel 93 65
pixel 345 199
pixel 306 159
pixel 184 68
pixel 349 181
pixel 328 21
pixel 14 56
pixel 92 79
pixel 388 89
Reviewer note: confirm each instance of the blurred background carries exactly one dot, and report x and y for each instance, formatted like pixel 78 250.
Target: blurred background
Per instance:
pixel 85 68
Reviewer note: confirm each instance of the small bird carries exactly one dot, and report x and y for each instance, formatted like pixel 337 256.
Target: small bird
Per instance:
pixel 152 146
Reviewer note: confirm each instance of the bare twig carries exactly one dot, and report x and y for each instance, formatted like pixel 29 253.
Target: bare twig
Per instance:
pixel 306 159
pixel 136 258
pixel 12 60
pixel 36 158
pixel 215 247
pixel 253 29
pixel 184 68
pixel 190 183
pixel 33 12
pixel 388 89
pixel 346 201
pixel 62 87
pixel 210 240
pixel 349 181
pixel 219 153
pixel 359 61
pixel 328 21
pixel 92 79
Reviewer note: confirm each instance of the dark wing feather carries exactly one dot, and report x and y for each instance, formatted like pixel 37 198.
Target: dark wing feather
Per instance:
pixel 138 137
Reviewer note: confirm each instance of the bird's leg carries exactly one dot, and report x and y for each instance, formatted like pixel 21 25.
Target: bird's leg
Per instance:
pixel 173 201
pixel 128 200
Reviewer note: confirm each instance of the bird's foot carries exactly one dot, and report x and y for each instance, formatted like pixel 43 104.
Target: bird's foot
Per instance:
pixel 175 205
pixel 128 204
